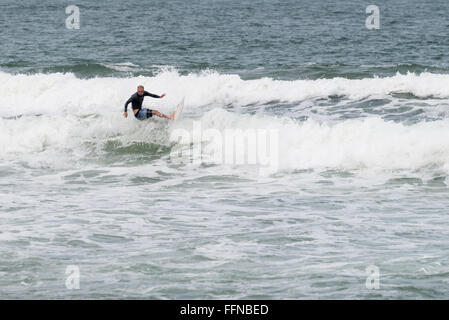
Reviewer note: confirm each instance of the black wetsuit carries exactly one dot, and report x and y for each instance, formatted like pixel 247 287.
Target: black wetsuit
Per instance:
pixel 137 100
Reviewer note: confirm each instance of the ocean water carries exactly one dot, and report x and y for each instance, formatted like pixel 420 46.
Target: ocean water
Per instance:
pixel 355 123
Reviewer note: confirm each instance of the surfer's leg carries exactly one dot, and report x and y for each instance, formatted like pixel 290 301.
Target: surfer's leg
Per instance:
pixel 159 114
pixel 141 114
pixel 144 114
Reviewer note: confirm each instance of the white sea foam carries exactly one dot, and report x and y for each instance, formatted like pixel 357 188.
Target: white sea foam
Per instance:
pixel 75 111
pixel 351 144
pixel 43 93
pixel 123 67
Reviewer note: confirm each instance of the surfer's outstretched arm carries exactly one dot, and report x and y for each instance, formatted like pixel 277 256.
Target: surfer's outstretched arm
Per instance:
pixel 147 94
pixel 125 114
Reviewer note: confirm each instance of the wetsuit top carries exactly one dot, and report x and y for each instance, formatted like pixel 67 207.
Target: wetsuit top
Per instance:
pixel 137 100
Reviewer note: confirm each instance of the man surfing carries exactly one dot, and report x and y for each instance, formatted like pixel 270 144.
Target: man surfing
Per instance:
pixel 143 113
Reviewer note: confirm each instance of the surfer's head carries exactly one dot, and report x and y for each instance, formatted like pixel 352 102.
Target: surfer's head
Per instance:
pixel 140 90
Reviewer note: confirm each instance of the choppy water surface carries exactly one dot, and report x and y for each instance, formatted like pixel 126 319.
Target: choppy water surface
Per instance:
pixel 362 150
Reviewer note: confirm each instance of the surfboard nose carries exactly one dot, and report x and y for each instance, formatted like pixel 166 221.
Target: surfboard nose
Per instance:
pixel 178 110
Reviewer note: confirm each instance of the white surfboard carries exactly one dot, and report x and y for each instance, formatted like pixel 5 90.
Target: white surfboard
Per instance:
pixel 178 110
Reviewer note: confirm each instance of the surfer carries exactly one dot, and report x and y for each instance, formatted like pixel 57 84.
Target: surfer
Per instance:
pixel 143 113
